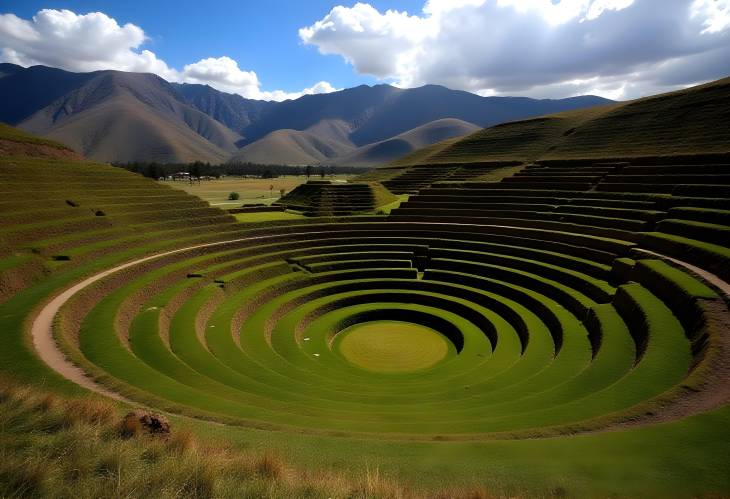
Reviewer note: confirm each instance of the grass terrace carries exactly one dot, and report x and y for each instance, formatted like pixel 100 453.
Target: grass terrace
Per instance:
pixel 509 336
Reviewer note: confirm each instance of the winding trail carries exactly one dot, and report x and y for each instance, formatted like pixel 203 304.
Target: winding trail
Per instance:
pixel 49 351
pixel 42 327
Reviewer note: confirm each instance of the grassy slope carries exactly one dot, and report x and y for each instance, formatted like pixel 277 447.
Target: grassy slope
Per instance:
pixel 50 446
pixel 250 190
pixel 56 447
pixel 304 196
pixel 631 129
pixel 37 242
pixel 16 135
pixel 677 459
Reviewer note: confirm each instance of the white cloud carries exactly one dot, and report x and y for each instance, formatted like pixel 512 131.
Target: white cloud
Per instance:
pixel 615 48
pixel 87 42
pixel 597 7
pixel 222 73
pixel 95 41
pixel 714 13
pixel 372 42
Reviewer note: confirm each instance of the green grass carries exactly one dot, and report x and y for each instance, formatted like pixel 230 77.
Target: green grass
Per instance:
pixel 392 347
pixel 267 216
pixel 277 383
pixel 690 286
pixel 71 448
pixel 684 122
pixel 671 460
pixel 16 135
pixel 324 198
pixel 251 190
pixel 549 373
pixel 388 208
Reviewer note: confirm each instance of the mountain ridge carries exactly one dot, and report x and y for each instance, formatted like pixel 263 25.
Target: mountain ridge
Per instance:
pixel 125 117
pixel 683 122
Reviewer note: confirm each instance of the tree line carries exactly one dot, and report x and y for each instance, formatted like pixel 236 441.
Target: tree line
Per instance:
pixel 200 169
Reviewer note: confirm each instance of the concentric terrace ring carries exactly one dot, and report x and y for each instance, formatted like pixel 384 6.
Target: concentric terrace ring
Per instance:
pixel 523 332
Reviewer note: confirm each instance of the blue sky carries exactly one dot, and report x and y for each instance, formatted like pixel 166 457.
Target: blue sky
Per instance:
pixel 278 49
pixel 261 35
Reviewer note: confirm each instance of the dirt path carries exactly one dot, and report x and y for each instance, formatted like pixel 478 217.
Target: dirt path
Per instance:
pixel 689 404
pixel 42 327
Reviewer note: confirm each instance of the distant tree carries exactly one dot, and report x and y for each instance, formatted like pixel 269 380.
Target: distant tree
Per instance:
pixel 196 169
pixel 321 173
pixel 282 192
pixel 234 196
pixel 199 169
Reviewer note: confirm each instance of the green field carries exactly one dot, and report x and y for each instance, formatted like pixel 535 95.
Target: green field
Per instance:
pixel 555 329
pixel 251 190
pixel 267 216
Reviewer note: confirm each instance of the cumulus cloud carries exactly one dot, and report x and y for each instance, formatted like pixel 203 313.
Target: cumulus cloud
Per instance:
pixel 715 14
pixel 545 48
pixel 87 42
pixel 95 41
pixel 224 74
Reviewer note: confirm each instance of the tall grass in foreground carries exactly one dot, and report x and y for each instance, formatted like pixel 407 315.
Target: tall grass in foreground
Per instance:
pixel 52 447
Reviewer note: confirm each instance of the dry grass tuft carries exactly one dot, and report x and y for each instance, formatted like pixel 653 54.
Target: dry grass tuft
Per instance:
pixel 81 448
pixel 48 402
pixel 181 441
pixel 90 411
pixel 21 478
pixel 270 466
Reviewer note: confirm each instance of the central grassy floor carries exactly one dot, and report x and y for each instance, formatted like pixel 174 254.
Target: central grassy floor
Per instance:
pixel 392 346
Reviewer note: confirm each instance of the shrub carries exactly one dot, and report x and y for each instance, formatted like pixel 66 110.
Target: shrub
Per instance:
pixel 270 466
pixel 234 196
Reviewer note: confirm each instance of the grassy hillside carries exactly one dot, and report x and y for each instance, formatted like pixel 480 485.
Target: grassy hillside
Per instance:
pixel 547 340
pixel 684 122
pixel 17 143
pixel 59 447
pixel 335 198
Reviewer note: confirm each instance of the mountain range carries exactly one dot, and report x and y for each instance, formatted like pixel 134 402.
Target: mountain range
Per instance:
pixel 126 117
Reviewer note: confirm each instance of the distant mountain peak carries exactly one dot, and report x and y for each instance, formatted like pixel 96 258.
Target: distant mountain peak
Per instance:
pixel 120 116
